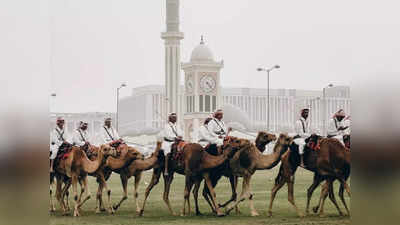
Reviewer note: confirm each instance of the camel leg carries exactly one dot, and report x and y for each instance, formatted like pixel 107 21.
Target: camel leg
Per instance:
pixel 316 181
pixel 333 199
pixel 154 181
pixel 274 190
pixel 74 181
pixel 244 194
pixel 124 183
pixel 291 197
pixel 251 202
pixel 167 184
pixel 206 193
pixel 213 195
pixel 86 191
pixel 324 194
pixel 196 195
pixel 186 197
pixel 233 181
pixel 52 206
pixel 135 192
pixel 346 187
pixel 98 198
pixel 341 192
pixel 59 195
pixel 65 195
pixel 103 183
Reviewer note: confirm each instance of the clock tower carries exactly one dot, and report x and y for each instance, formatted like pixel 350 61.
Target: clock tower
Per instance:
pixel 202 89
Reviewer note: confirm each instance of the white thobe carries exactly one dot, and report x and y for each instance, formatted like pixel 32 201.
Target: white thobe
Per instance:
pixel 205 137
pixel 217 128
pixel 302 128
pixel 168 134
pixel 57 137
pixel 333 131
pixel 80 137
pixel 108 135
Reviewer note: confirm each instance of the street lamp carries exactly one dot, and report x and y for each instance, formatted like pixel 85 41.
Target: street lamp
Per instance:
pixel 325 106
pixel 122 85
pixel 268 70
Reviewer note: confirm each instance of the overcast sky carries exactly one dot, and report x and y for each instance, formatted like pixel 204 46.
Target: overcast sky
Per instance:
pixel 97 44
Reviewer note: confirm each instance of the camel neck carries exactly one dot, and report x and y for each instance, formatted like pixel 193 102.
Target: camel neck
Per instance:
pixel 271 160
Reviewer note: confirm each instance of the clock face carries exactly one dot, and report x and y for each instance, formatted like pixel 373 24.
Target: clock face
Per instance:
pixel 189 86
pixel 207 83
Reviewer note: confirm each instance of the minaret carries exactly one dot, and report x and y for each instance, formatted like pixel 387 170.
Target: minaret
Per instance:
pixel 172 38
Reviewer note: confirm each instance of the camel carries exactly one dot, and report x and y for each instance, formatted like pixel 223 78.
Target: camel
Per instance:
pixel 193 166
pixel 249 159
pixel 135 169
pixel 333 163
pixel 262 139
pixel 77 166
pixel 127 156
pixel 64 180
pixel 290 163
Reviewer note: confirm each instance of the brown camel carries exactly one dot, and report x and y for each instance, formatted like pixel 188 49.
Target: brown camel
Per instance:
pixel 77 166
pixel 127 156
pixel 291 161
pixel 262 139
pixel 203 161
pixel 249 159
pixel 135 169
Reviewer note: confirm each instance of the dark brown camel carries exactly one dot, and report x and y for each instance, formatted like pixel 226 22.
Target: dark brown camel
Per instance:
pixel 262 139
pixel 317 161
pixel 203 161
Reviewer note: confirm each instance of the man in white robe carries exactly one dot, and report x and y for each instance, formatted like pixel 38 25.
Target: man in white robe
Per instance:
pixel 303 131
pixel 217 128
pixel 107 133
pixel 337 127
pixel 58 137
pixel 170 134
pixel 81 136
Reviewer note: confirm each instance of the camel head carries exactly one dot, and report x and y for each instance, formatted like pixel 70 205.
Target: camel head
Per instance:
pixel 133 153
pixel 264 138
pixel 234 144
pixel 314 138
pixel 284 140
pixel 107 150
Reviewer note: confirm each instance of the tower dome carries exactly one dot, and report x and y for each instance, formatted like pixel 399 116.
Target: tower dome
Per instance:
pixel 202 53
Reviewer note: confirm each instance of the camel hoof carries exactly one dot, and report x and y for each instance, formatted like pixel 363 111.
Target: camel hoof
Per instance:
pixel 269 214
pixel 141 212
pixel 321 215
pixel 199 214
pixel 254 214
pixel 102 209
pixel 315 209
pixel 115 207
pixel 111 211
pixel 220 214
pixel 301 215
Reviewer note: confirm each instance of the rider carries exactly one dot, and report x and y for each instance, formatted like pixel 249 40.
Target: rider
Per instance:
pixel 58 139
pixel 217 128
pixel 205 137
pixel 81 136
pixel 302 128
pixel 337 127
pixel 108 134
pixel 171 134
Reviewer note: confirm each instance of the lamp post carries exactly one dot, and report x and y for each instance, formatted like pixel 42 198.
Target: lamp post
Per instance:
pixel 325 106
pixel 268 70
pixel 122 85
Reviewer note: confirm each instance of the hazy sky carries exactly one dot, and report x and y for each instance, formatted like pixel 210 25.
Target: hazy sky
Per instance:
pixel 97 44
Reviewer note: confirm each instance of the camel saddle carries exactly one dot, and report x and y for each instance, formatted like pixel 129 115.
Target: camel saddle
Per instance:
pixel 178 154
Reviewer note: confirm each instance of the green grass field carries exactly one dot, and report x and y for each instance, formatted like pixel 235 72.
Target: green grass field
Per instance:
pixel 156 211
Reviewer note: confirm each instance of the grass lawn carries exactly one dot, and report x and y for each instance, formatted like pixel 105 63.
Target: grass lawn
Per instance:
pixel 156 211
